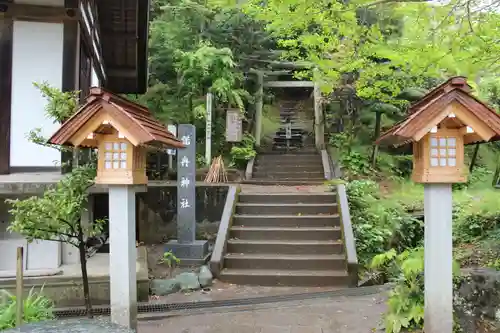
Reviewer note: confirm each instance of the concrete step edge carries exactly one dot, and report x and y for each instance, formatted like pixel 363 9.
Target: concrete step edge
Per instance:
pixel 293 229
pixel 328 216
pixel 272 256
pixel 264 272
pixel 284 242
pixel 284 194
pixel 244 204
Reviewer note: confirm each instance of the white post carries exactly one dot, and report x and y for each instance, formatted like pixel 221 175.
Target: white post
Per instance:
pixel 438 271
pixel 259 104
pixel 172 129
pixel 208 130
pixel 122 255
pixel 319 133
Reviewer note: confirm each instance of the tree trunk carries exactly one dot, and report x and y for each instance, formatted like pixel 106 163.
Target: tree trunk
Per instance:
pixel 378 120
pixel 85 277
pixel 474 157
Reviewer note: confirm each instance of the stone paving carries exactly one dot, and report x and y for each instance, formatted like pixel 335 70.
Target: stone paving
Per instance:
pixel 360 314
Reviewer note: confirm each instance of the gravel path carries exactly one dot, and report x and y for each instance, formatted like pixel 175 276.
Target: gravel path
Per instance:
pixel 327 315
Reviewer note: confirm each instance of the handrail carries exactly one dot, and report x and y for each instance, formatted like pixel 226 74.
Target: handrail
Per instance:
pixel 325 159
pixel 335 164
pixel 348 235
pixel 249 169
pixel 217 258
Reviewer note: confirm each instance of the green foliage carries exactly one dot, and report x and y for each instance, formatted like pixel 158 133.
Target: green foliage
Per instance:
pixel 170 259
pixel 56 215
pixel 406 300
pixel 477 217
pixel 386 44
pixel 379 224
pixel 243 151
pixel 36 307
pixel 198 47
pixel 211 68
pixel 60 105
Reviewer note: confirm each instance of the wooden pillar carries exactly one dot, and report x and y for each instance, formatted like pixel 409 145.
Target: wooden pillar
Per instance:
pixel 71 68
pixel 258 107
pixel 319 127
pixel 6 25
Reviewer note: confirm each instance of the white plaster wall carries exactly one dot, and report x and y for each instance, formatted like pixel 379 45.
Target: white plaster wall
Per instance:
pixel 94 80
pixel 37 57
pixel 37 255
pixel 9 242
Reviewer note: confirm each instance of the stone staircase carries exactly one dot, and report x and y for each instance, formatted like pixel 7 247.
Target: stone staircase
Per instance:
pixel 303 167
pixel 288 239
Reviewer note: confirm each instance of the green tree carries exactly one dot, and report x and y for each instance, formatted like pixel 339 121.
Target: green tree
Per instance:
pixel 56 215
pixel 198 47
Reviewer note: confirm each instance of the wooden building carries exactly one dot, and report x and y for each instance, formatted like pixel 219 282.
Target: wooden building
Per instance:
pixel 72 45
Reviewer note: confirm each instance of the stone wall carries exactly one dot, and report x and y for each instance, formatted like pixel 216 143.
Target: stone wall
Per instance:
pixel 477 301
pixel 156 212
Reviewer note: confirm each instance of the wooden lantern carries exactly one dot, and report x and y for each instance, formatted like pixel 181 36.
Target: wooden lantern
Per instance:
pixel 438 127
pixel 121 130
pixel 119 161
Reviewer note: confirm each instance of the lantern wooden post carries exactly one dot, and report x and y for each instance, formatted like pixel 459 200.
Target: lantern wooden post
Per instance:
pixel 438 126
pixel 122 255
pixel 438 266
pixel 122 131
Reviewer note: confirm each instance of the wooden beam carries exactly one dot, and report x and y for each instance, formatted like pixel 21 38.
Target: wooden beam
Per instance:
pixel 125 72
pixel 289 84
pixel 40 13
pixel 6 31
pixel 70 71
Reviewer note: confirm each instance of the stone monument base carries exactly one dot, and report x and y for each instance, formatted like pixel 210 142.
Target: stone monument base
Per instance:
pixel 190 254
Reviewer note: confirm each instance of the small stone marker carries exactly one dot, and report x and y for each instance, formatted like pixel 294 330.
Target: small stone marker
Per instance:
pixel 186 247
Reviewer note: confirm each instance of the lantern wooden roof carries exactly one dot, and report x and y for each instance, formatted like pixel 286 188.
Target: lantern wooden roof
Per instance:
pixel 453 96
pixel 105 112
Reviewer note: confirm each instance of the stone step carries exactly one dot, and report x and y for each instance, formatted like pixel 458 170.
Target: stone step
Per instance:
pixel 280 182
pixel 286 209
pixel 318 167
pixel 291 156
pixel 284 233
pixel 280 158
pixel 285 277
pixel 288 198
pixel 287 220
pixel 283 148
pixel 293 159
pixel 295 133
pixel 313 262
pixel 288 175
pixel 284 246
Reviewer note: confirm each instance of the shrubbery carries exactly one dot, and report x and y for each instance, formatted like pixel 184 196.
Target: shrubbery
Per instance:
pixel 379 224
pixel 36 308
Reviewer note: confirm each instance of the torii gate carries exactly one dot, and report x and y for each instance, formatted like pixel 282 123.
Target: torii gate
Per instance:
pixel 319 128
